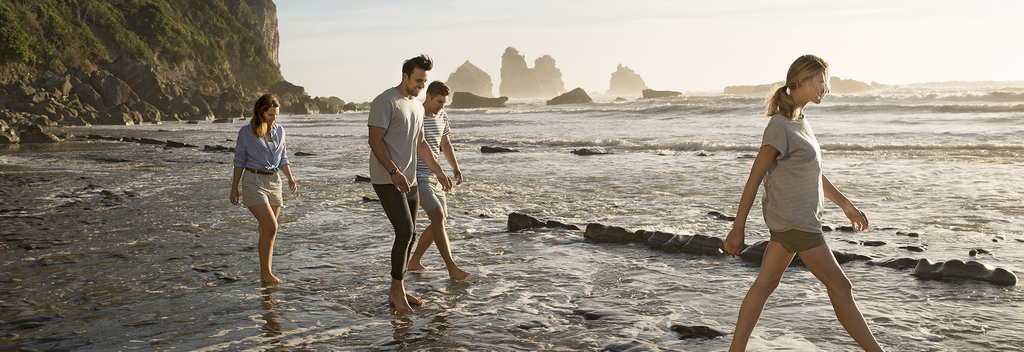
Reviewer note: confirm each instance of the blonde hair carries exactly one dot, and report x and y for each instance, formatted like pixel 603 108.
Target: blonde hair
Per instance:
pixel 258 123
pixel 780 101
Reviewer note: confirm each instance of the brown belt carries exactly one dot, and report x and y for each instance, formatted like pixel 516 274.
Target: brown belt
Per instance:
pixel 261 172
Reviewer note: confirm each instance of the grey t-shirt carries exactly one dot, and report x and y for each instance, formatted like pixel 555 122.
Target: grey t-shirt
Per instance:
pixel 793 193
pixel 403 118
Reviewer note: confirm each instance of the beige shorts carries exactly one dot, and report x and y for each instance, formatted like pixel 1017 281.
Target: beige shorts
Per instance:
pixel 258 189
pixel 796 241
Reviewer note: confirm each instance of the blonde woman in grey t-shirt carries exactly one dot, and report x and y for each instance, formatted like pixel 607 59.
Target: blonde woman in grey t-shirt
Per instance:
pixel 789 163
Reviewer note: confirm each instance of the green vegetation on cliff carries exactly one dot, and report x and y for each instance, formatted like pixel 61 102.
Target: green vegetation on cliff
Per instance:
pixel 50 36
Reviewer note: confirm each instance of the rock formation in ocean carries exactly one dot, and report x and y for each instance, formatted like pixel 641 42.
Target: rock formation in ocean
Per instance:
pixel 518 80
pixel 467 100
pixel 471 79
pixel 956 269
pixel 652 94
pixel 837 85
pixel 575 96
pixel 625 82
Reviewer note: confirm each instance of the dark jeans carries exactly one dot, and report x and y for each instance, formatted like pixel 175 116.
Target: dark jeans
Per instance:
pixel 401 210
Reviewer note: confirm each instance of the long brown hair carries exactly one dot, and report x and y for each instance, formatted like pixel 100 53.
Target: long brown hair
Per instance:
pixel 258 123
pixel 780 101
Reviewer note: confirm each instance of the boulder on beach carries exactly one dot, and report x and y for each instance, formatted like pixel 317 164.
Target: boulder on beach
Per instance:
pixel 957 269
pixel 35 134
pixel 575 96
pixel 113 90
pixel 690 332
pixel 653 94
pixel 467 100
pixel 625 81
pixel 590 151
pixel 471 79
pixel 520 221
pixel 488 149
pixel 603 233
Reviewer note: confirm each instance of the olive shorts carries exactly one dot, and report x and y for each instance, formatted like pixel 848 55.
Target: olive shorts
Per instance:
pixel 795 241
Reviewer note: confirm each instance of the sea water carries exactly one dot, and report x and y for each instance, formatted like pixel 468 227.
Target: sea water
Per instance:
pixel 129 246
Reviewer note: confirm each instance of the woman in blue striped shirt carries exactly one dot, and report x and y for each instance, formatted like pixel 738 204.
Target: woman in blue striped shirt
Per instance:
pixel 260 157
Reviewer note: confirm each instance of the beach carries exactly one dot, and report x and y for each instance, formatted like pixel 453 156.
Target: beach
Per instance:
pixel 121 245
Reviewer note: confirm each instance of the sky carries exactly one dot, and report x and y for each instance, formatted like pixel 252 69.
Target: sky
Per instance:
pixel 355 49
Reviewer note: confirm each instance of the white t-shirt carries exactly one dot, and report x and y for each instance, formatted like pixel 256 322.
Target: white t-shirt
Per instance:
pixel 793 192
pixel 403 118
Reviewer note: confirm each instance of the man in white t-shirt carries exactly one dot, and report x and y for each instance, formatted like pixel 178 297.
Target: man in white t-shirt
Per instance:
pixel 396 138
pixel 432 198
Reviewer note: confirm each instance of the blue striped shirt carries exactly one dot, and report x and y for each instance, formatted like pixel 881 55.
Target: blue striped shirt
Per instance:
pixel 433 129
pixel 255 153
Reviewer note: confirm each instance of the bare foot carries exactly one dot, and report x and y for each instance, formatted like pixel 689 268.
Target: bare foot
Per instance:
pixel 413 300
pixel 402 306
pixel 416 266
pixel 270 279
pixel 458 274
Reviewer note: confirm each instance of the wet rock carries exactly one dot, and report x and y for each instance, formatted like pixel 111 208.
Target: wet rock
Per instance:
pixel 603 233
pixel 217 148
pixel 720 216
pixel 519 221
pixel 304 154
pixel 559 224
pixel 896 263
pixel 35 134
pixel 488 149
pixel 466 100
pixel 370 199
pixel 652 94
pixel 575 96
pixel 587 151
pixel 632 346
pixel 977 251
pixel 658 239
pixel 706 245
pixel 956 269
pixel 361 178
pixel 690 332
pixel 174 144
pixel 754 252
pixel 914 248
pixel 873 243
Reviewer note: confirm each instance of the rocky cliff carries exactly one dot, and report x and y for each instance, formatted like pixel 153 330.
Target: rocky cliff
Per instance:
pixel 133 61
pixel 518 80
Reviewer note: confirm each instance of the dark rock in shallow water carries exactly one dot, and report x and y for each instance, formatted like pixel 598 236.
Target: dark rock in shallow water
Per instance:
pixel 651 93
pixel 900 263
pixel 369 199
pixel 873 243
pixel 303 154
pixel 956 269
pixel 487 149
pixel 908 234
pixel 720 216
pixel 914 248
pixel 575 96
pixel 706 245
pixel 519 221
pixel 361 178
pixel 975 252
pixel 466 100
pixel 586 151
pixel 689 332
pixel 173 144
pixel 603 233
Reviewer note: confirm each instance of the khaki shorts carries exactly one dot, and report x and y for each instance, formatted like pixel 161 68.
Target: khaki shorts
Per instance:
pixel 432 194
pixel 258 189
pixel 795 241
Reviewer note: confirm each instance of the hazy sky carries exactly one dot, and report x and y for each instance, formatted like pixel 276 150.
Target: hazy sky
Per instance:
pixel 354 49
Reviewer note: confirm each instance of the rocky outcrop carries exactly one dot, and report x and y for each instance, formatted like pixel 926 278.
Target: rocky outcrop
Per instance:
pixel 956 269
pixel 520 81
pixel 520 221
pixel 467 100
pixel 488 149
pixel 625 81
pixel 759 89
pixel 471 79
pixel 652 94
pixel 590 151
pixel 332 105
pixel 575 96
pixel 847 86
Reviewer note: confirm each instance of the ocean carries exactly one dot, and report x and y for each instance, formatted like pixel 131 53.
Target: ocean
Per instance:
pixel 122 246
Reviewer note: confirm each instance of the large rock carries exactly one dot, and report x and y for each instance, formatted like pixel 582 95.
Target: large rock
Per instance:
pixel 147 112
pixel 467 100
pixel 113 90
pixel 88 95
pixel 652 94
pixel 956 269
pixel 846 86
pixel 120 115
pixel 332 105
pixel 625 82
pixel 575 96
pixel 231 103
pixel 520 81
pixel 143 80
pixel 471 79
pixel 519 221
pixel 304 106
pixel 603 233
pixel 35 134
pixel 61 83
pixel 284 87
pixel 759 89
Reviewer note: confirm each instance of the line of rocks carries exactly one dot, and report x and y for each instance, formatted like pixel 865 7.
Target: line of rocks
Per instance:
pixel 714 246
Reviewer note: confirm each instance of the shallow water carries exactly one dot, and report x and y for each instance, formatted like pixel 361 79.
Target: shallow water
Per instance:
pixel 124 246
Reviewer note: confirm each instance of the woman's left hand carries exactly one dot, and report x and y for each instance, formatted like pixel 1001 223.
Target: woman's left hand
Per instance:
pixel 858 219
pixel 293 186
